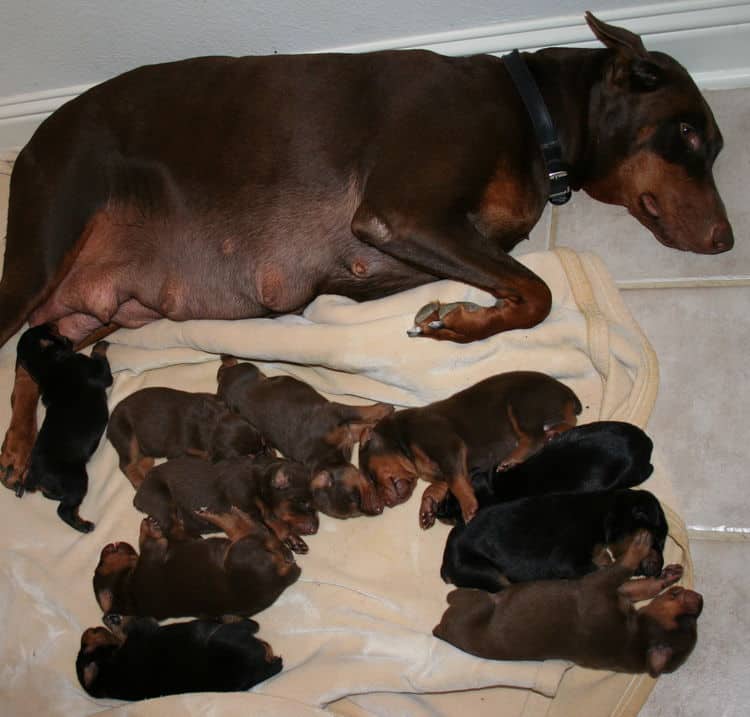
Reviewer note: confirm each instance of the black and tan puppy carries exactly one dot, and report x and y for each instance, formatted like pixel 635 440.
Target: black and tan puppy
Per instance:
pixel 306 427
pixel 74 391
pixel 204 577
pixel 502 419
pixel 138 659
pixel 165 423
pixel 591 621
pixel 564 535
pixel 273 490
pixel 604 455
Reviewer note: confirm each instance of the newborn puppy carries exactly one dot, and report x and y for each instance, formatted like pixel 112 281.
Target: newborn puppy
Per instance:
pixel 563 535
pixel 163 422
pixel 204 577
pixel 139 659
pixel 604 455
pixel 73 389
pixel 591 621
pixel 502 419
pixel 306 427
pixel 273 490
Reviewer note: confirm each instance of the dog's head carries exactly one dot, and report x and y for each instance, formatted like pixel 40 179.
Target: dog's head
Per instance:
pixel 40 348
pixel 653 142
pixel 633 510
pixel 670 622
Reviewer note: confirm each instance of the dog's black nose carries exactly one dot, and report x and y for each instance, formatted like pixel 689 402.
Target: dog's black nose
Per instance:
pixel 722 237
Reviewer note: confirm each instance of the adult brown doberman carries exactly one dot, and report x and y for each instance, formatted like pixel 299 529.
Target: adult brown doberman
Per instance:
pixel 226 188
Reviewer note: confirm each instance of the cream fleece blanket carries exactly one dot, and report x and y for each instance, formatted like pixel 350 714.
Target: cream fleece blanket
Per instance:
pixel 355 630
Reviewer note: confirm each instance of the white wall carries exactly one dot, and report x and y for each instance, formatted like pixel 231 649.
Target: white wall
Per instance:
pixel 48 44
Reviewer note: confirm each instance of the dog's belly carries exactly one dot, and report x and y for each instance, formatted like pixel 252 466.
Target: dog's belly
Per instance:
pixel 132 270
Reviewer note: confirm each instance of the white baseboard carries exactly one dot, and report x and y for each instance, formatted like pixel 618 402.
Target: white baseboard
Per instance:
pixel 709 37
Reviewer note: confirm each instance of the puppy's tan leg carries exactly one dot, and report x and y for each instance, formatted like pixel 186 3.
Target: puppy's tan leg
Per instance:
pixel 138 465
pixel 646 588
pixel 433 495
pixel 236 523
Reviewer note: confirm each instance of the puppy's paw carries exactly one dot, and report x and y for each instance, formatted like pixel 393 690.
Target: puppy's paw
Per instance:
pixel 639 548
pixel 295 543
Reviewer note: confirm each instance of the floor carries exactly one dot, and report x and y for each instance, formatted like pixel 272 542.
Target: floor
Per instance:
pixel 694 311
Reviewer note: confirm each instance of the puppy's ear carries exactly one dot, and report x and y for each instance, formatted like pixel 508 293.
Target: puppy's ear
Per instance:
pixel 321 480
pixel 280 480
pixel 365 436
pixel 657 658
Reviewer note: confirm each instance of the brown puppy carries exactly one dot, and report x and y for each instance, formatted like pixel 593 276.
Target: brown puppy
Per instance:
pixel 359 175
pixel 273 490
pixel 306 427
pixel 500 420
pixel 163 422
pixel 591 621
pixel 204 577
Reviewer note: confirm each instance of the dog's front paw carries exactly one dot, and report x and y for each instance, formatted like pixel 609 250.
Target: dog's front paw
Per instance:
pixel 671 574
pixel 14 463
pixel 456 321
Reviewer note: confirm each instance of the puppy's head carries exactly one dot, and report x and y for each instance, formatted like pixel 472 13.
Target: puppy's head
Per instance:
pixel 117 561
pixel 98 645
pixel 233 377
pixel 631 511
pixel 342 491
pixel 290 495
pixel 40 348
pixel 670 623
pixel 383 460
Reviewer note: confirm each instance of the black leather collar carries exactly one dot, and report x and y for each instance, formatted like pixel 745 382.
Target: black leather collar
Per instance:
pixel 544 129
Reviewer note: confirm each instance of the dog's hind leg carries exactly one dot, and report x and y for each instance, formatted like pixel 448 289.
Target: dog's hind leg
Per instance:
pixel 21 433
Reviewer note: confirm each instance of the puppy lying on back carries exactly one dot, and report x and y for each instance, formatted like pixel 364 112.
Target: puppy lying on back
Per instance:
pixel 204 577
pixel 73 389
pixel 502 419
pixel 591 621
pixel 139 660
pixel 273 490
pixel 604 455
pixel 565 535
pixel 306 427
pixel 166 423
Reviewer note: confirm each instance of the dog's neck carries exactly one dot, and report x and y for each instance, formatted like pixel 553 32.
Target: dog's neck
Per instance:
pixel 567 79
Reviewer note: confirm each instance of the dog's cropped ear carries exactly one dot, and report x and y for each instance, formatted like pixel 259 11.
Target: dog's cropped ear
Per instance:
pixel 632 67
pixel 616 38
pixel 658 658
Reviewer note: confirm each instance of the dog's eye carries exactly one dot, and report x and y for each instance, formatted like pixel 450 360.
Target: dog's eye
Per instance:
pixel 690 135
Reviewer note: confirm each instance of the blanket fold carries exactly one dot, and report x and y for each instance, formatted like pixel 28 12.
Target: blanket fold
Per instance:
pixel 358 623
